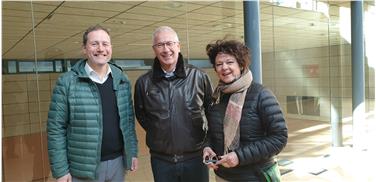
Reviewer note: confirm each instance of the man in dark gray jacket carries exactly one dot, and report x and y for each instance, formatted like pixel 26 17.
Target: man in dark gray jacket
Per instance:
pixel 90 128
pixel 170 103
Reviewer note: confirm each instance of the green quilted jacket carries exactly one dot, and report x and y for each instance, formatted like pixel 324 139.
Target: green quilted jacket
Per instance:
pixel 74 127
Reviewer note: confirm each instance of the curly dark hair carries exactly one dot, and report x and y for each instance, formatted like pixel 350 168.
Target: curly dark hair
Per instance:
pixel 232 47
pixel 91 29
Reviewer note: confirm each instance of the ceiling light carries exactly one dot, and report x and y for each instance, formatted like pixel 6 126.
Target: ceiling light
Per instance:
pixel 174 5
pixel 227 25
pixel 222 26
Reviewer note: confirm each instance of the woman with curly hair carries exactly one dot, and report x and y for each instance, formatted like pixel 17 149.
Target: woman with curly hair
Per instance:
pixel 247 128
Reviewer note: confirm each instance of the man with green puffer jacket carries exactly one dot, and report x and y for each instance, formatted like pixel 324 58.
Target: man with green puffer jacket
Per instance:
pixel 90 128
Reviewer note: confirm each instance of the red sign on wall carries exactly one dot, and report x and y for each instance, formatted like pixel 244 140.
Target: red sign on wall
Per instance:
pixel 311 70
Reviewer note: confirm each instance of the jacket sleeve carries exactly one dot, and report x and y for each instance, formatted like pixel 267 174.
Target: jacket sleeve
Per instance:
pixel 139 104
pixel 57 130
pixel 275 132
pixel 208 92
pixel 208 89
pixel 131 138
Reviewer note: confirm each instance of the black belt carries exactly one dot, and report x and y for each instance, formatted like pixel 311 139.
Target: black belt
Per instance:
pixel 175 158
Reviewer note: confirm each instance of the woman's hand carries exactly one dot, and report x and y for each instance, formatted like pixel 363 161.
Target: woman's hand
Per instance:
pixel 229 160
pixel 209 153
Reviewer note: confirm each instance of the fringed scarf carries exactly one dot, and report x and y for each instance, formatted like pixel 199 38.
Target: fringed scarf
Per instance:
pixel 234 108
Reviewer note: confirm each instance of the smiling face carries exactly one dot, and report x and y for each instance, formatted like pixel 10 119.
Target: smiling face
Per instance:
pixel 227 68
pixel 98 49
pixel 166 48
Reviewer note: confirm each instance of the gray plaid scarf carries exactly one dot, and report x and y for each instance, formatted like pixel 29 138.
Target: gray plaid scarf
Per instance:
pixel 234 108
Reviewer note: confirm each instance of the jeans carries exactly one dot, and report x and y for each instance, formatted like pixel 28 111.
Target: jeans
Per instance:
pixel 192 170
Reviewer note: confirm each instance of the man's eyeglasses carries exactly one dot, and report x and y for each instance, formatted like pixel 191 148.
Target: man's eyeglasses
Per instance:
pixel 161 45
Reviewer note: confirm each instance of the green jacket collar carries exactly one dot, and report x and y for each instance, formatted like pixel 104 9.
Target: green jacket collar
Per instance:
pixel 116 72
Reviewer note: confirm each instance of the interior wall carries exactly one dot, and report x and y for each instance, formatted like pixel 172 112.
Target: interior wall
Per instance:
pixel 322 72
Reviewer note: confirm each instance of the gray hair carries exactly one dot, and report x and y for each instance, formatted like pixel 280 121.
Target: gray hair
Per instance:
pixel 164 29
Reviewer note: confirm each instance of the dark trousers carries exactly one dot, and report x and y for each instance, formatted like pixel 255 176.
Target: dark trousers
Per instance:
pixel 192 170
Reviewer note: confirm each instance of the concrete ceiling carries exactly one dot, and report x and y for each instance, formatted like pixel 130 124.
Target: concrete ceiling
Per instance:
pixel 59 26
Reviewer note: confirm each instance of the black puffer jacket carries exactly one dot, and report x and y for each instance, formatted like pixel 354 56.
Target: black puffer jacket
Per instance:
pixel 263 133
pixel 172 110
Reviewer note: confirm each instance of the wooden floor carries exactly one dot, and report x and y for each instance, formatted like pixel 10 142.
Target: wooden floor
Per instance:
pixel 308 156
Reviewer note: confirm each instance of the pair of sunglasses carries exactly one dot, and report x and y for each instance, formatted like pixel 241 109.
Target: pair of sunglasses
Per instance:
pixel 211 159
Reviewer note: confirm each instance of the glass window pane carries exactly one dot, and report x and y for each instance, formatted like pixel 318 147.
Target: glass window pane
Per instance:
pixel 58 66
pixel 201 63
pixel 130 63
pixel 12 67
pixel 45 66
pixel 26 66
